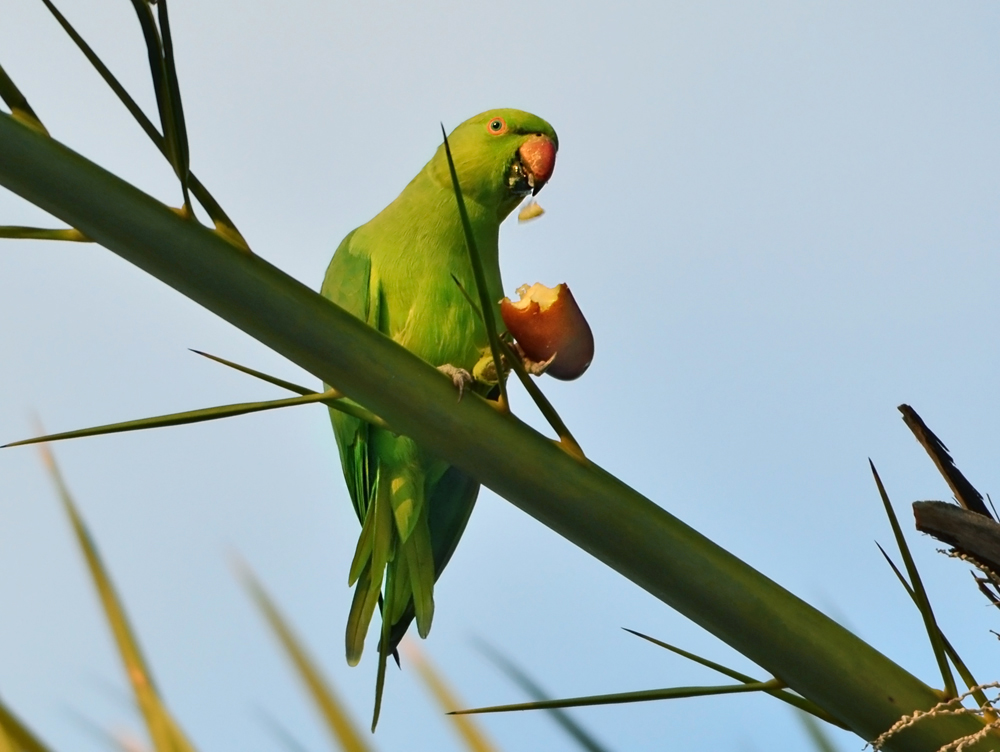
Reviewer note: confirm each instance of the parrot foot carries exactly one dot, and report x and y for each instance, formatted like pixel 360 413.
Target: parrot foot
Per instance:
pixel 459 377
pixel 534 367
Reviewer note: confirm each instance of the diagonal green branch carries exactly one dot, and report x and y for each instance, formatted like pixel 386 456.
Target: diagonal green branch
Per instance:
pixel 810 653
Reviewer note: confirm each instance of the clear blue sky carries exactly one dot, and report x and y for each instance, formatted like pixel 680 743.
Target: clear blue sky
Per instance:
pixel 781 220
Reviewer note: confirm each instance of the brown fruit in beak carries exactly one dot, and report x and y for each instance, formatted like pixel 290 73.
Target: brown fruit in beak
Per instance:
pixel 547 321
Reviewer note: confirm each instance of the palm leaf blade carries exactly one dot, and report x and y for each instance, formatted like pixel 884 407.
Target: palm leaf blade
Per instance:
pixel 646 695
pixel 175 419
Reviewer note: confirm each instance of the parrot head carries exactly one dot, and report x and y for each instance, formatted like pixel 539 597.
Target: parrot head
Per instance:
pixel 501 156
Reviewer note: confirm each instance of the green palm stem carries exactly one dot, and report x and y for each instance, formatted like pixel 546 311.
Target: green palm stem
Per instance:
pixel 806 650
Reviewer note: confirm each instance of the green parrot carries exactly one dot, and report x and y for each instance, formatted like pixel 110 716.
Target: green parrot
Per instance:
pixel 397 273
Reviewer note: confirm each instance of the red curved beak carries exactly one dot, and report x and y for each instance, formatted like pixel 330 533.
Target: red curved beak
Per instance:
pixel 538 155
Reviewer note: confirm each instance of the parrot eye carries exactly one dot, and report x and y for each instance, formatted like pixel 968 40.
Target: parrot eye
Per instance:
pixel 497 126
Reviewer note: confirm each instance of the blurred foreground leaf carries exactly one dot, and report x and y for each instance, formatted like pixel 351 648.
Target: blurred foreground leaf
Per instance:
pixel 817 734
pixel 473 736
pixel 16 735
pixel 334 713
pixel 164 732
pixel 535 691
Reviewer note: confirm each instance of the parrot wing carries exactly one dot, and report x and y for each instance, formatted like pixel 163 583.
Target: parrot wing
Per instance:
pixel 351 284
pixel 348 283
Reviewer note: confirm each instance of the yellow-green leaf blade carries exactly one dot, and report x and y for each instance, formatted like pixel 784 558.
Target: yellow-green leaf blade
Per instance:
pixel 164 732
pixel 335 398
pixel 473 736
pixel 335 715
pixel 289 385
pixel 486 308
pixel 17 735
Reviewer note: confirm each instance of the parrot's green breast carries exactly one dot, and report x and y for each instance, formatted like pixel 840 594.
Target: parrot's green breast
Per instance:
pixel 418 251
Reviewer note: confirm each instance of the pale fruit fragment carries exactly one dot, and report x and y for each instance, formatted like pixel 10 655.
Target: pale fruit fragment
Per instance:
pixel 546 321
pixel 531 210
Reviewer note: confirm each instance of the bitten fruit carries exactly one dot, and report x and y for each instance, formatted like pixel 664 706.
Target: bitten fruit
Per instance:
pixel 546 321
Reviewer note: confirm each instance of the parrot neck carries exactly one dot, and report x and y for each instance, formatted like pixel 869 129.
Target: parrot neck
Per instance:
pixel 439 201
pixel 490 194
pixel 425 222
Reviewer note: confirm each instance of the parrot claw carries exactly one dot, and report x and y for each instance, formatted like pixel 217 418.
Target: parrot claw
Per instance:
pixel 534 367
pixel 459 377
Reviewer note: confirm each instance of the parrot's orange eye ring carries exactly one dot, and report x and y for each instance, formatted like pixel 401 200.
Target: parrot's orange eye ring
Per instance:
pixel 497 126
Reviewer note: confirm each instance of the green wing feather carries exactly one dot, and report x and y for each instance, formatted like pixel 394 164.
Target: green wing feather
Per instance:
pixel 450 504
pixel 348 284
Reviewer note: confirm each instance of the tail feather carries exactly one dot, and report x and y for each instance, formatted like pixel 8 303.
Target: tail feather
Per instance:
pixel 369 586
pixel 450 504
pixel 406 540
pixel 383 654
pixel 363 552
pixel 360 617
pixel 399 575
pixel 420 557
